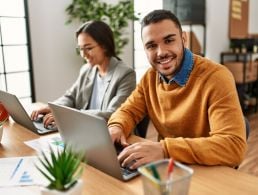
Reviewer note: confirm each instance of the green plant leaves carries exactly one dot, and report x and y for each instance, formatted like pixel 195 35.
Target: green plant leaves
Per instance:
pixel 61 168
pixel 116 15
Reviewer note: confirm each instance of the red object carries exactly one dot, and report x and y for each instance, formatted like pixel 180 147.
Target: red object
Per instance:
pixel 3 113
pixel 170 167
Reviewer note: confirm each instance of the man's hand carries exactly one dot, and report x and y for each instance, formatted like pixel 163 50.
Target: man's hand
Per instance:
pixel 117 135
pixel 141 153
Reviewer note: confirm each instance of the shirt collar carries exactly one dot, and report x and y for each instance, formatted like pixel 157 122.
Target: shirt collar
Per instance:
pixel 111 68
pixel 183 74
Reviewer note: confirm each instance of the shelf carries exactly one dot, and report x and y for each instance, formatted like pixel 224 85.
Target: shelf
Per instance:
pixel 245 72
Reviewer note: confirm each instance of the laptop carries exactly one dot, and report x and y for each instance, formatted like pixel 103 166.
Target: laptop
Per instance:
pixel 89 133
pixel 19 114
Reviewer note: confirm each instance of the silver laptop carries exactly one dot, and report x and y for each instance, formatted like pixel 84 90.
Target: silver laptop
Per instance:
pixel 89 133
pixel 19 114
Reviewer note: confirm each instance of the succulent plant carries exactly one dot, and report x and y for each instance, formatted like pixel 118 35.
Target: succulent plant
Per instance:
pixel 62 168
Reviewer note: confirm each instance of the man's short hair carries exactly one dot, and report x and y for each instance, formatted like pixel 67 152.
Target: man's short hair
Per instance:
pixel 159 15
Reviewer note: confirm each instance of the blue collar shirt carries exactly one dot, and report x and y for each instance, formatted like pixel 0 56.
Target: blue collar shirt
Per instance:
pixel 182 76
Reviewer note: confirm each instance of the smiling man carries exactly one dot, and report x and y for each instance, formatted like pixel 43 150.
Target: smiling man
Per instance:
pixel 192 102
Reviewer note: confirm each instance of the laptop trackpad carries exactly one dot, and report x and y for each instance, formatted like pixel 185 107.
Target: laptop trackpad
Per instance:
pixel 42 129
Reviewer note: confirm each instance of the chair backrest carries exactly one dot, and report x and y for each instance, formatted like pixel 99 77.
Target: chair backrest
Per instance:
pixel 142 127
pixel 247 127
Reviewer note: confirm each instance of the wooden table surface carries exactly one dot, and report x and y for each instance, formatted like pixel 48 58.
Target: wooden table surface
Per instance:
pixel 206 180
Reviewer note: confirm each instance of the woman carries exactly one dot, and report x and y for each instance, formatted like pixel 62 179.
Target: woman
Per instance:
pixel 104 81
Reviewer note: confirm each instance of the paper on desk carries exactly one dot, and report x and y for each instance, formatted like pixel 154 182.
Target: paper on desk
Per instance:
pixel 19 190
pixel 20 171
pixel 42 144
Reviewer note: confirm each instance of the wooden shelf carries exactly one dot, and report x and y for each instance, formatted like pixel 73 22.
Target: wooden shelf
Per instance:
pixel 247 86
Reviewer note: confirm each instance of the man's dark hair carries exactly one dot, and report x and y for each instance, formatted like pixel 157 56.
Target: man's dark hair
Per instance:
pixel 101 33
pixel 159 15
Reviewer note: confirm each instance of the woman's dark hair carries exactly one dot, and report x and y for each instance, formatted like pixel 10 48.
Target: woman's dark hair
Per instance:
pixel 101 33
pixel 159 15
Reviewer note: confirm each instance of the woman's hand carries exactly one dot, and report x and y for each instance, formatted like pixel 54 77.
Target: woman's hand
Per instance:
pixel 48 119
pixel 42 111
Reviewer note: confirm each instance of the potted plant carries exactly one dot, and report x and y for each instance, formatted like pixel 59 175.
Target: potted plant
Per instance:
pixel 62 169
pixel 116 15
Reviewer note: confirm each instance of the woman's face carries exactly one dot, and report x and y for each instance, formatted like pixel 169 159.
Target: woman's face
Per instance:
pixel 90 50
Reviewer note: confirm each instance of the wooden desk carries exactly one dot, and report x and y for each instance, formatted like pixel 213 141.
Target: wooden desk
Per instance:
pixel 206 180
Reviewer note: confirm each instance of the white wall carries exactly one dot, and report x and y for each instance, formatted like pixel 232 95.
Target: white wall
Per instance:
pixel 55 61
pixel 217 21
pixel 253 24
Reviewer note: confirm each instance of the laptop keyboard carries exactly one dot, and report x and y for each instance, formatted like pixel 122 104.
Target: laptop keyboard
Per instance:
pixel 125 170
pixel 41 127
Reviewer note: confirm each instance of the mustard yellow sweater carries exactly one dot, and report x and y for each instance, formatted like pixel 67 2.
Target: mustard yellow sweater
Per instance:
pixel 199 123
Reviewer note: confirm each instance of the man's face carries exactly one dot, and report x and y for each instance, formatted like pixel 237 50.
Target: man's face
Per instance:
pixel 164 46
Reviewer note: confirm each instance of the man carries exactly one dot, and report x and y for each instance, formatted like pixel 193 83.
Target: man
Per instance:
pixel 191 101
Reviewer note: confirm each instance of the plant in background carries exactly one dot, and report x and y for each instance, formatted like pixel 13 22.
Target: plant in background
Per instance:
pixel 117 16
pixel 62 168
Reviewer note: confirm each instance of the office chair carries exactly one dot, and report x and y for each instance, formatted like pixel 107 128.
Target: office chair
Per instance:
pixel 247 127
pixel 142 127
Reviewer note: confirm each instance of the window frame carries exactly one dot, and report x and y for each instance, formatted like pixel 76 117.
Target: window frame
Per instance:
pixel 4 74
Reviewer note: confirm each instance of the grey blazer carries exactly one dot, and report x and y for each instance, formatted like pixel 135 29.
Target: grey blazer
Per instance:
pixel 120 83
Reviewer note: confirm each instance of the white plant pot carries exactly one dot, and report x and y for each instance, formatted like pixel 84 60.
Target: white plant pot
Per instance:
pixel 75 190
pixel 1 132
